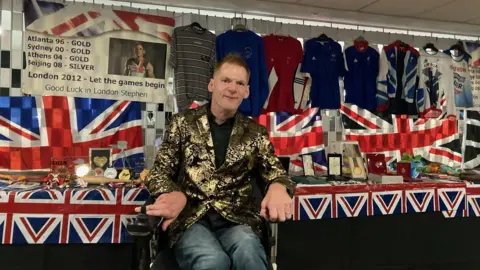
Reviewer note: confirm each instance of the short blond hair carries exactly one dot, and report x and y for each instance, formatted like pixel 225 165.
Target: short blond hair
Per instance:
pixel 232 58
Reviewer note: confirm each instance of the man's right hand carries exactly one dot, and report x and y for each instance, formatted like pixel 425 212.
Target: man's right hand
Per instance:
pixel 168 206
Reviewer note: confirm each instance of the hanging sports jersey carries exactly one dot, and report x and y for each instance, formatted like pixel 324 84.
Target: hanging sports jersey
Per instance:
pixel 361 75
pixel 283 55
pixel 250 46
pixel 396 89
pixel 323 61
pixel 435 85
pixel 462 82
pixel 193 57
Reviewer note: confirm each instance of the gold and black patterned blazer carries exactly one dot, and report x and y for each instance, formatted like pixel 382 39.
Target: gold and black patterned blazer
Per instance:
pixel 186 162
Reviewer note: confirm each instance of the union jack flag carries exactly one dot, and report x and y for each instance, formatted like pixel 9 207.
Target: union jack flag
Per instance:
pixel 33 130
pixel 90 21
pixel 80 216
pixel 436 140
pixel 294 135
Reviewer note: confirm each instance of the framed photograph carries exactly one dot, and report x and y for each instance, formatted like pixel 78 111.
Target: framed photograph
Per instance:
pixel 100 158
pixel 335 164
pixel 308 165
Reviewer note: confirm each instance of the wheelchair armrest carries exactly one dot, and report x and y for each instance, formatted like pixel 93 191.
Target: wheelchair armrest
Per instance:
pixel 144 225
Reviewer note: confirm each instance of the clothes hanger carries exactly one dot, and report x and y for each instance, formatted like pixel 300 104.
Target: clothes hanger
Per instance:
pixel 430 47
pixel 197 26
pixel 458 48
pixel 360 39
pixel 403 44
pixel 323 37
pixel 360 43
pixel 240 28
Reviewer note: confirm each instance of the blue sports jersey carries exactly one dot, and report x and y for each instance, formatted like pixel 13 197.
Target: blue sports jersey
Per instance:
pixel 250 46
pixel 324 61
pixel 361 76
pixel 397 79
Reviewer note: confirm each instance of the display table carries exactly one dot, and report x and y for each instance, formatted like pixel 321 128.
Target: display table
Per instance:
pixel 395 227
pixel 327 201
pixel 418 237
pixel 72 216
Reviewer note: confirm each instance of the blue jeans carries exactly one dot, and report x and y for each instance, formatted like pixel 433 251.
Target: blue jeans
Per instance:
pixel 236 247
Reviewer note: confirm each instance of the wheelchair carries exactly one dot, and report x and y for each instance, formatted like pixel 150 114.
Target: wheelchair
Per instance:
pixel 151 241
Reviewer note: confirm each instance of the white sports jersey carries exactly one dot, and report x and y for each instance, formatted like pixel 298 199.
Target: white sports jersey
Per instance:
pixel 435 85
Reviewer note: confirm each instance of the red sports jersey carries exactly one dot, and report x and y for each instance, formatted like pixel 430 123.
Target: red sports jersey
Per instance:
pixel 283 55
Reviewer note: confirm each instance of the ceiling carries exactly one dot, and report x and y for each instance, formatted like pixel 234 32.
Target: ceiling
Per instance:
pixel 463 11
pixel 443 16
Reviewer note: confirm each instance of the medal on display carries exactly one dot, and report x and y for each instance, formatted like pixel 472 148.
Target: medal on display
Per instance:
pixel 144 174
pixel 356 167
pixel 98 171
pixel 110 173
pixel 124 175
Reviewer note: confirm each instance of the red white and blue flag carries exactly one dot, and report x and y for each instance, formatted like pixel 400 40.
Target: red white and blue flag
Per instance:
pixel 436 140
pixel 294 135
pixel 73 216
pixel 33 130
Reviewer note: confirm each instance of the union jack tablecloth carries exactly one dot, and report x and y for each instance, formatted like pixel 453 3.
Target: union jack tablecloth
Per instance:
pixel 326 201
pixel 77 216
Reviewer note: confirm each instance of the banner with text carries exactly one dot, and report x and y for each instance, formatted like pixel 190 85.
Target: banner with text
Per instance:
pixel 81 51
pixel 475 73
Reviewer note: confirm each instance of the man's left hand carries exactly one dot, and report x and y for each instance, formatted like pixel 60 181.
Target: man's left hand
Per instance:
pixel 277 204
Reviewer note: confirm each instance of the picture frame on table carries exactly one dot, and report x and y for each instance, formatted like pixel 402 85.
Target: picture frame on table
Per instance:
pixel 308 169
pixel 335 164
pixel 100 159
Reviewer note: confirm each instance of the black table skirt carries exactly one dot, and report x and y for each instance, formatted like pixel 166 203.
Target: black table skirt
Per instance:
pixel 67 257
pixel 411 241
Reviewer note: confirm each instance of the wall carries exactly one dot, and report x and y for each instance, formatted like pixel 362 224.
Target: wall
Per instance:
pixel 12 45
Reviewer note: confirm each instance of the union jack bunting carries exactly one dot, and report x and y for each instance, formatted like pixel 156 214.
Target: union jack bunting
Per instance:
pixel 344 201
pixel 437 140
pixel 68 216
pixel 33 130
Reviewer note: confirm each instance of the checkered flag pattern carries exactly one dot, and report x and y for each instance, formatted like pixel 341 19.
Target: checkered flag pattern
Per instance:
pixel 12 59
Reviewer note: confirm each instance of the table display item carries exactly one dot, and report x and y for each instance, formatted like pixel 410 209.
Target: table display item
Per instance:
pixel 100 180
pixel 357 168
pixel 125 174
pixel 335 164
pixel 53 180
pixel 308 165
pixel 376 164
pixel 142 177
pixel 100 158
pixel 110 173
pixel 404 169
